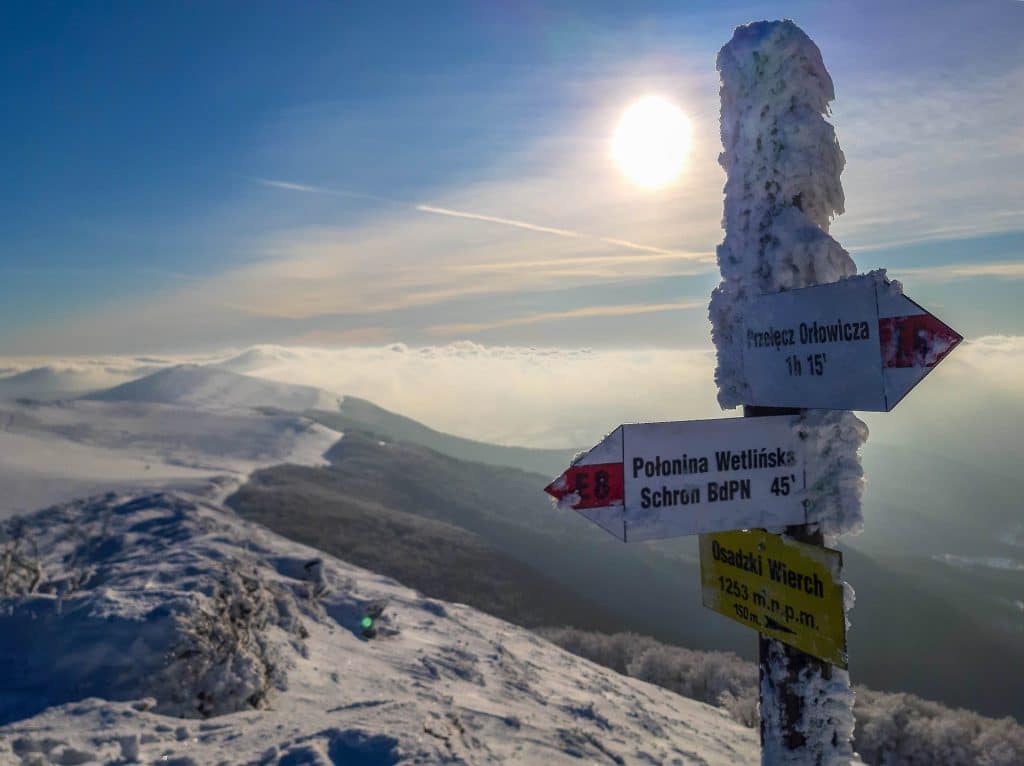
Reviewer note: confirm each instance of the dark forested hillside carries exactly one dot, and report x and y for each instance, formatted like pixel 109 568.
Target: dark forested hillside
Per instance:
pixel 488 536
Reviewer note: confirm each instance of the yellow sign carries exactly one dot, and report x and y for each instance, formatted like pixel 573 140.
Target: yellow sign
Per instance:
pixel 784 589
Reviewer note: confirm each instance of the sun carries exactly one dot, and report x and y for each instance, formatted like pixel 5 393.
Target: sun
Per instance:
pixel 651 142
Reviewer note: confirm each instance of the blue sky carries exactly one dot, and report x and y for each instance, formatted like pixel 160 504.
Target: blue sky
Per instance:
pixel 194 175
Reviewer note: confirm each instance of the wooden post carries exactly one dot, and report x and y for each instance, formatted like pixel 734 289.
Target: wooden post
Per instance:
pixel 792 707
pixel 775 95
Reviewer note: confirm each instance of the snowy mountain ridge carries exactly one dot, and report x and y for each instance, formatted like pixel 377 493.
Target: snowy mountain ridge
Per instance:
pixel 174 428
pixel 212 387
pixel 124 613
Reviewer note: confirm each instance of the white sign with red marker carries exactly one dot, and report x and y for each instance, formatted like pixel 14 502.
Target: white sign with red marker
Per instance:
pixel 655 480
pixel 857 344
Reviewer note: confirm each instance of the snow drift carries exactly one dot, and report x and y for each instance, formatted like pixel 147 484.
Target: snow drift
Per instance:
pixel 161 627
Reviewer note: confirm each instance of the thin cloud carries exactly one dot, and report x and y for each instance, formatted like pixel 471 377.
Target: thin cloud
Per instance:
pixel 62 270
pixel 470 216
pixel 955 271
pixel 558 316
pixel 454 387
pixel 981 228
pixel 495 219
pixel 551 230
pixel 593 260
pixel 948 168
pixel 291 186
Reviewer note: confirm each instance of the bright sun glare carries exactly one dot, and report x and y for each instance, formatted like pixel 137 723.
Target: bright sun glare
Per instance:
pixel 651 142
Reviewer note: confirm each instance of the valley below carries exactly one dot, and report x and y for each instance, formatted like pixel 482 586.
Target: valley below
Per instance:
pixel 191 558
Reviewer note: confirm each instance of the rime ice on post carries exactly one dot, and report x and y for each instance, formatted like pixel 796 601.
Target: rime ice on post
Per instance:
pixel 783 163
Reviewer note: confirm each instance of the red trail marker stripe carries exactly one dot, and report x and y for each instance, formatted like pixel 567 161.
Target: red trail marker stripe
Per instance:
pixel 915 341
pixel 597 485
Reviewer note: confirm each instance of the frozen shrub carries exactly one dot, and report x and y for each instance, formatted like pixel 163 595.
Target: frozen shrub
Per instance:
pixel 224 660
pixel 20 569
pixel 905 730
pixel 892 729
pixel 718 678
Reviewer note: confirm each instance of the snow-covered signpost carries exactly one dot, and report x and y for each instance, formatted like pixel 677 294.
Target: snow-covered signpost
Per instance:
pixel 857 344
pixel 782 162
pixel 648 481
pixel 795 327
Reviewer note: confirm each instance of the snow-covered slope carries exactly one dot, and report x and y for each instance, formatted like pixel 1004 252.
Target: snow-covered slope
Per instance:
pixel 216 388
pixel 263 357
pixel 61 380
pixel 125 614
pixel 173 429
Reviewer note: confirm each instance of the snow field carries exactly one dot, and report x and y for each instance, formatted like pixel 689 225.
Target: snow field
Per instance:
pixel 173 429
pixel 162 628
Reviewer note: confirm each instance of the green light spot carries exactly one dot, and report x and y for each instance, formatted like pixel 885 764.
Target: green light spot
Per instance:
pixel 367 622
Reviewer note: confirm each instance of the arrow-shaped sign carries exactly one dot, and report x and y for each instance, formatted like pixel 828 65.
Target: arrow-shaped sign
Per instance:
pixel 654 480
pixel 857 344
pixel 788 590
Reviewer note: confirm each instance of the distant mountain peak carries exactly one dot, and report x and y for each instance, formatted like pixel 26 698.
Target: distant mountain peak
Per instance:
pixel 259 357
pixel 213 387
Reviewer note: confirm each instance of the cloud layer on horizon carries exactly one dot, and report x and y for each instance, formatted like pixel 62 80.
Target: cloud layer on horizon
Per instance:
pixel 571 397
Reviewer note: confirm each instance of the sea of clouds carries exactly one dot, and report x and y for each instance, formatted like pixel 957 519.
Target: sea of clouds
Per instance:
pixel 548 397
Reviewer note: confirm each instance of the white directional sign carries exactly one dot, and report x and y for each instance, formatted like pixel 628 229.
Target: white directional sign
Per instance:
pixel 857 344
pixel 656 480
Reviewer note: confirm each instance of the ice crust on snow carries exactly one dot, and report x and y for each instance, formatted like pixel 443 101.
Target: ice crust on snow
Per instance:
pixel 155 606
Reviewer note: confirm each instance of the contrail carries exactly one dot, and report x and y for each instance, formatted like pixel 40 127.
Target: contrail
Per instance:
pixel 548 230
pixel 290 186
pixel 526 225
pixel 323 190
pixel 495 219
